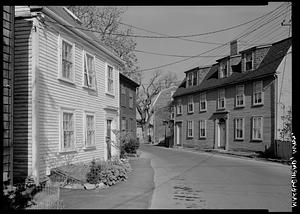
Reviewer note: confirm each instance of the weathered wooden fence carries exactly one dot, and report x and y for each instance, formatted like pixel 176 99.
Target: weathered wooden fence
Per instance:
pixel 283 149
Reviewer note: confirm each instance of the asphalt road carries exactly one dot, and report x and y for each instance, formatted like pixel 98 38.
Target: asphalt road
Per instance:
pixel 185 179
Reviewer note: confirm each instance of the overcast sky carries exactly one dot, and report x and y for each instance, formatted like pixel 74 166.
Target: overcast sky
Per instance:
pixel 187 20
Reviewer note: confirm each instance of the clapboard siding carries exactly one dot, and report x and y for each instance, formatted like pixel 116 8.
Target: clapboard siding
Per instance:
pixel 54 93
pixel 22 99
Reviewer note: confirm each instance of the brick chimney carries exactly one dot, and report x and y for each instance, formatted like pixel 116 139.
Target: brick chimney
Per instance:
pixel 233 48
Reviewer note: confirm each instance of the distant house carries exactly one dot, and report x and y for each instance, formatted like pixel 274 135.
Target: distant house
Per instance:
pixel 128 89
pixel 8 73
pixel 66 95
pixel 233 104
pixel 162 114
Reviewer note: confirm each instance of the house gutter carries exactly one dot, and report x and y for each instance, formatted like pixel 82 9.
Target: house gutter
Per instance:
pixel 82 35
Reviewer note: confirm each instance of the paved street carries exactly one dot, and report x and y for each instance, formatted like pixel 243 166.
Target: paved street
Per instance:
pixel 185 179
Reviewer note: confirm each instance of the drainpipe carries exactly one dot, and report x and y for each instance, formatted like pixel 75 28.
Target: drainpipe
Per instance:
pixel 34 113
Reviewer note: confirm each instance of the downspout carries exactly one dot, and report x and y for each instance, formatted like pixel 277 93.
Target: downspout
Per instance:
pixel 34 113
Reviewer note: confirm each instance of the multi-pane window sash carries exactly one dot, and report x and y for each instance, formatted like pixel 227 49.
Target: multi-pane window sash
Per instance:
pixel 239 128
pixel 248 61
pixel 190 79
pixel 257 92
pixel 130 99
pixel 223 70
pixel 90 130
pixel 123 124
pixel 123 95
pixel 190 105
pixel 67 60
pixel 195 78
pixel 110 79
pixel 257 128
pixel 240 95
pixel 202 128
pixel 68 131
pixel 190 129
pixel 89 71
pixel 203 102
pixel 221 98
pixel 179 109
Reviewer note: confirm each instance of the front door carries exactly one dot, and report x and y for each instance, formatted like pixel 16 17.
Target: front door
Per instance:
pixel 222 133
pixel 178 134
pixel 108 138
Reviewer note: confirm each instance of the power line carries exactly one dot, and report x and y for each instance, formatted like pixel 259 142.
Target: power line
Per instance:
pixel 172 55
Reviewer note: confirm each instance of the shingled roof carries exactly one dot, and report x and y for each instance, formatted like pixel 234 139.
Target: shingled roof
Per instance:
pixel 267 67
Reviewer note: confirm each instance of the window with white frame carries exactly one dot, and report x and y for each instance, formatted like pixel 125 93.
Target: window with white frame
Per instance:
pixel 190 128
pixel 190 79
pixel 123 124
pixel 179 107
pixel 221 98
pixel 248 61
pixel 240 96
pixel 195 78
pixel 239 128
pixel 202 128
pixel 110 79
pixel 67 52
pixel 258 93
pixel 130 99
pixel 223 69
pixel 67 130
pixel 190 104
pixel 257 127
pixel 89 130
pixel 203 102
pixel 89 75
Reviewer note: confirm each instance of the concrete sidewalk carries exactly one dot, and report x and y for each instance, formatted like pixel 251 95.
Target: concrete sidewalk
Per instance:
pixel 135 193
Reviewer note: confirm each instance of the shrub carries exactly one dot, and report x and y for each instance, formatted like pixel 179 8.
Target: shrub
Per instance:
pixel 109 172
pixel 131 146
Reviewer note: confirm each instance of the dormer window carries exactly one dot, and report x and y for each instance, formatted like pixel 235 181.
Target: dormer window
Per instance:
pixel 248 61
pixel 190 79
pixel 223 70
pixel 195 78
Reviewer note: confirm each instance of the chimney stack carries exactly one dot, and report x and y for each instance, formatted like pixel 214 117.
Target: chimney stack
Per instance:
pixel 233 48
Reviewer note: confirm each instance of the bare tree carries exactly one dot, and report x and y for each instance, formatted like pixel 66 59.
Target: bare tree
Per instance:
pixel 105 21
pixel 146 95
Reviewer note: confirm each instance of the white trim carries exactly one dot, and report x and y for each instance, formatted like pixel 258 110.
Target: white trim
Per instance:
pixel 113 78
pixel 261 128
pixel 192 128
pixel 88 113
pixel 236 96
pixel 235 128
pixel 60 42
pixel 205 129
pixel 205 101
pixel 84 61
pixel 190 98
pixel 219 98
pixel 262 93
pixel 61 111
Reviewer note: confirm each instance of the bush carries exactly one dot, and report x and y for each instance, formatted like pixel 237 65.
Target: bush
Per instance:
pixel 109 172
pixel 131 146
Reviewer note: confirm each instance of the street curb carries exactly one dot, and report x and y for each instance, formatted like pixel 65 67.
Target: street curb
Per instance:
pixel 283 162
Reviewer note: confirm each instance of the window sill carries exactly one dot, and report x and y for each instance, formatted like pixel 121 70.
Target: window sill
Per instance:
pixel 62 152
pixel 110 94
pixel 190 112
pixel 239 139
pixel 221 109
pixel 258 104
pixel 66 80
pixel 202 110
pixel 202 138
pixel 89 148
pixel 178 114
pixel 189 138
pixel 88 88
